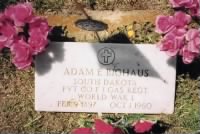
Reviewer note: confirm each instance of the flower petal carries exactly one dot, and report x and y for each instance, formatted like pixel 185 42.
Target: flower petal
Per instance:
pixel 20 13
pixel 82 131
pixel 164 24
pixel 182 19
pixel 22 54
pixel 143 126
pixel 102 127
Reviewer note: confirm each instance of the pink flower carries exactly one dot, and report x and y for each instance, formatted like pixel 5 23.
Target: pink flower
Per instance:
pixel 179 32
pixel 83 131
pixel 38 31
pixel 40 24
pixel 188 55
pixel 7 32
pixel 2 17
pixel 181 19
pixel 164 24
pixel 180 3
pixel 171 43
pixel 100 128
pixel 20 13
pixel 37 41
pixel 22 54
pixel 176 37
pixel 22 32
pixel 104 128
pixel 193 38
pixel 143 126
pixel 195 11
pixel 192 5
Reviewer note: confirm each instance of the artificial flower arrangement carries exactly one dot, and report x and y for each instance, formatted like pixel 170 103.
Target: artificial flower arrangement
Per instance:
pixel 178 37
pixel 101 127
pixel 24 33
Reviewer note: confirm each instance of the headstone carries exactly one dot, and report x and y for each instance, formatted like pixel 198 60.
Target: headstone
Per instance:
pixel 107 78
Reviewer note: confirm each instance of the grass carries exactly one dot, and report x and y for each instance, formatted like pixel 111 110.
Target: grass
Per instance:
pixel 62 5
pixel 140 32
pixel 17 112
pixel 187 111
pixel 42 5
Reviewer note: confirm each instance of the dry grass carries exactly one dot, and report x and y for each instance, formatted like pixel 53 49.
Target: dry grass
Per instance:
pixel 69 6
pixel 17 112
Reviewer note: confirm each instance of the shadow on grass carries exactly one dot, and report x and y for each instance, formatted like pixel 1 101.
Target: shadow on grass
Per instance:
pixel 58 35
pixel 5 3
pixel 54 51
pixel 118 38
pixel 192 69
pixel 159 127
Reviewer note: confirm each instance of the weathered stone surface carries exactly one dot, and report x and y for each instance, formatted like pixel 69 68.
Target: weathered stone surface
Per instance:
pixel 108 78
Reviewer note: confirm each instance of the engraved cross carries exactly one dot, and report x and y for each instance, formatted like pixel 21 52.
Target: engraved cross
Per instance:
pixel 106 54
